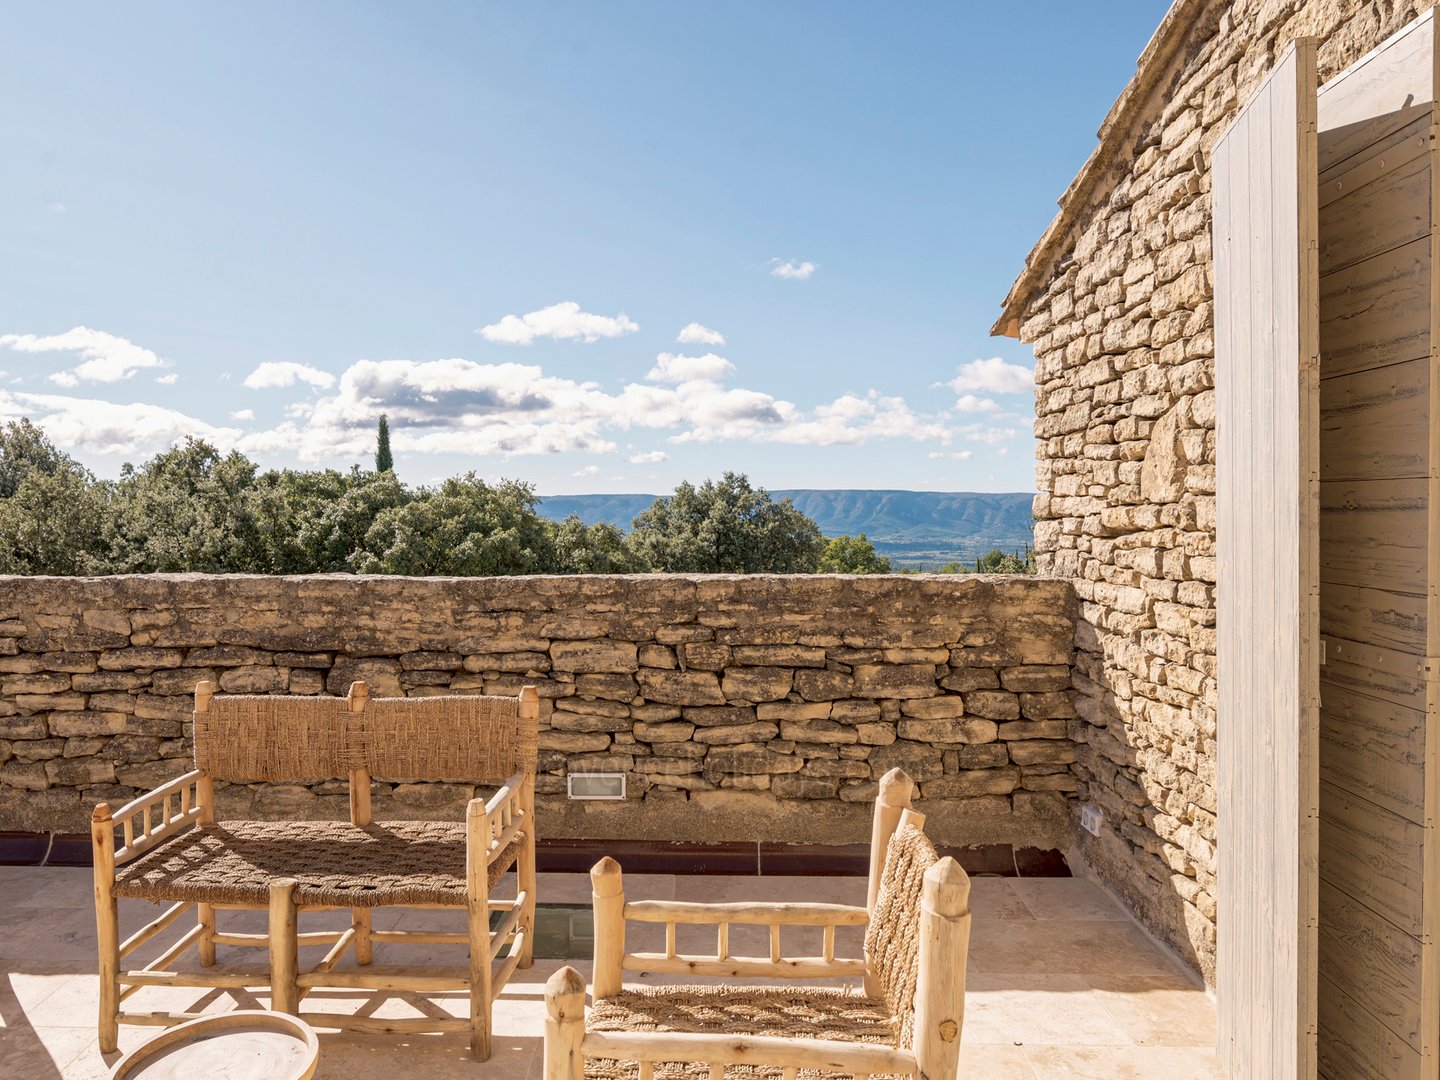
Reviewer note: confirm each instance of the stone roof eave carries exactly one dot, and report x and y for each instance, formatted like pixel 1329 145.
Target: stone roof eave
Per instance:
pixel 1075 203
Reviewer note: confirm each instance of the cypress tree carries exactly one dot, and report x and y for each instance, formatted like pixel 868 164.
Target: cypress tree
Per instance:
pixel 384 461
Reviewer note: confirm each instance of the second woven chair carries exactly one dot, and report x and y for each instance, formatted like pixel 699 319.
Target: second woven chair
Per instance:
pixel 907 1023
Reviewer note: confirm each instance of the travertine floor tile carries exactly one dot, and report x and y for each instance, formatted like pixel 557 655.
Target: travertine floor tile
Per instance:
pixel 1123 1063
pixel 1158 1011
pixel 1065 898
pixel 1037 1010
pixel 1065 947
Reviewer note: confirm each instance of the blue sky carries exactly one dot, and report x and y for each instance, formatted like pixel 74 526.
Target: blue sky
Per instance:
pixel 266 224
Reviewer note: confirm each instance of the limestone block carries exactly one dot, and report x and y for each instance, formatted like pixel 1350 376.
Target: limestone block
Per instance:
pixel 73 772
pixel 253 680
pixel 594 656
pixel 760 731
pixel 573 742
pixel 815 685
pixel 818 731
pixel 855 711
pixel 923 762
pixel 804 787
pixel 705 656
pixel 73 662
pixel 895 680
pixel 993 704
pixel 380 675
pixel 754 685
pixel 35 684
pixel 657 656
pixel 140 659
pixel 613 686
pixel 968 730
pixel 663 733
pixel 720 762
pixel 938 708
pixel 681 687
pixel 793 656
pixel 1000 781
pixel 1036 677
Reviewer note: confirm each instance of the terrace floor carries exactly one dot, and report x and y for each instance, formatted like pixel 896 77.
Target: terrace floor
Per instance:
pixel 1062 984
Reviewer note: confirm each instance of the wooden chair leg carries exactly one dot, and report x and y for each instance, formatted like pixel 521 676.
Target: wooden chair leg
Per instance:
pixel 477 915
pixel 107 927
pixel 607 901
pixel 205 916
pixel 284 947
pixel 525 875
pixel 361 921
pixel 564 1025
pixel 944 951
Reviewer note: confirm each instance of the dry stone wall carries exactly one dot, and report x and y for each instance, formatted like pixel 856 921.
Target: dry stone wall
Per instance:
pixel 740 708
pixel 1124 341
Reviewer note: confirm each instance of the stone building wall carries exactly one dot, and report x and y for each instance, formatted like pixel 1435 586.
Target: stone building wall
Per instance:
pixel 1120 318
pixel 741 708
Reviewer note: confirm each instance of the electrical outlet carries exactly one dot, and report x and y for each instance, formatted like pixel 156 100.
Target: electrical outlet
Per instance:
pixel 1090 819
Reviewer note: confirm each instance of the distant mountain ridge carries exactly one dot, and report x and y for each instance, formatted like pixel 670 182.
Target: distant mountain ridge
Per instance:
pixel 922 529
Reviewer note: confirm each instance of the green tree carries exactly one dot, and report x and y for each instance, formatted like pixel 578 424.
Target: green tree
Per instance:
pixel 53 514
pixel 384 460
pixel 577 548
pixel 465 527
pixel 190 509
pixel 852 555
pixel 726 527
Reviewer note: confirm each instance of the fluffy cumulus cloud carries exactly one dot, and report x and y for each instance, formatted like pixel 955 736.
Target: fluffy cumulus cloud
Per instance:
pixel 275 374
pixel 791 269
pixel 671 368
pixel 649 457
pixel 563 322
pixel 698 334
pixel 993 376
pixel 969 403
pixel 106 427
pixel 105 358
pixel 243 414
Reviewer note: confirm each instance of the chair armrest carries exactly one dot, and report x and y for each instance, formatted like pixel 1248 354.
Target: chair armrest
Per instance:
pixel 178 803
pixel 828 1055
pixel 754 914
pixel 491 824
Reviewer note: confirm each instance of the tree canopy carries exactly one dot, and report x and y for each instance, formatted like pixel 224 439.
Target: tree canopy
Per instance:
pixel 193 508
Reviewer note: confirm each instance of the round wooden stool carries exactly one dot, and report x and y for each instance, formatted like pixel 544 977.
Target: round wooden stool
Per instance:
pixel 249 1044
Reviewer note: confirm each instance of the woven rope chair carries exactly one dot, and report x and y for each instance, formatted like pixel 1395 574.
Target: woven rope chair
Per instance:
pixel 907 1023
pixel 167 846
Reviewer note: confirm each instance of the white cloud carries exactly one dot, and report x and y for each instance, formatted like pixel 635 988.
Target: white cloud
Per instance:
pixel 107 358
pixel 993 376
pixel 971 403
pixel 563 321
pixel 990 436
pixel 278 373
pixel 57 208
pixel 672 368
pixel 650 457
pixel 958 455
pixel 791 269
pixel 167 380
pixel 588 470
pixel 697 334
pixel 107 427
pixel 243 414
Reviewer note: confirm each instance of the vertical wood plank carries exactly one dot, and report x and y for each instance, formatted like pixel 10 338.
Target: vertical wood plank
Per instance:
pixel 1267 399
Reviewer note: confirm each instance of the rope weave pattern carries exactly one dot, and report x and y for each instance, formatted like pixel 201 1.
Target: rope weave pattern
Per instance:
pixel 892 940
pixel 335 863
pixel 251 739
pixel 798 1013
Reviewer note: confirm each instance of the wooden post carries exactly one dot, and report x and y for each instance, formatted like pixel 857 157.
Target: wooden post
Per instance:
pixel 607 901
pixel 891 800
pixel 940 985
pixel 564 1025
pixel 284 947
pixel 204 913
pixel 477 919
pixel 361 919
pixel 525 869
pixel 107 926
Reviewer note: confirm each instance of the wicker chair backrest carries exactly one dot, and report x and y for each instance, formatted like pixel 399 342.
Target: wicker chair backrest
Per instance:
pixel 247 739
pixel 472 739
pixel 892 940
pixel 255 739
